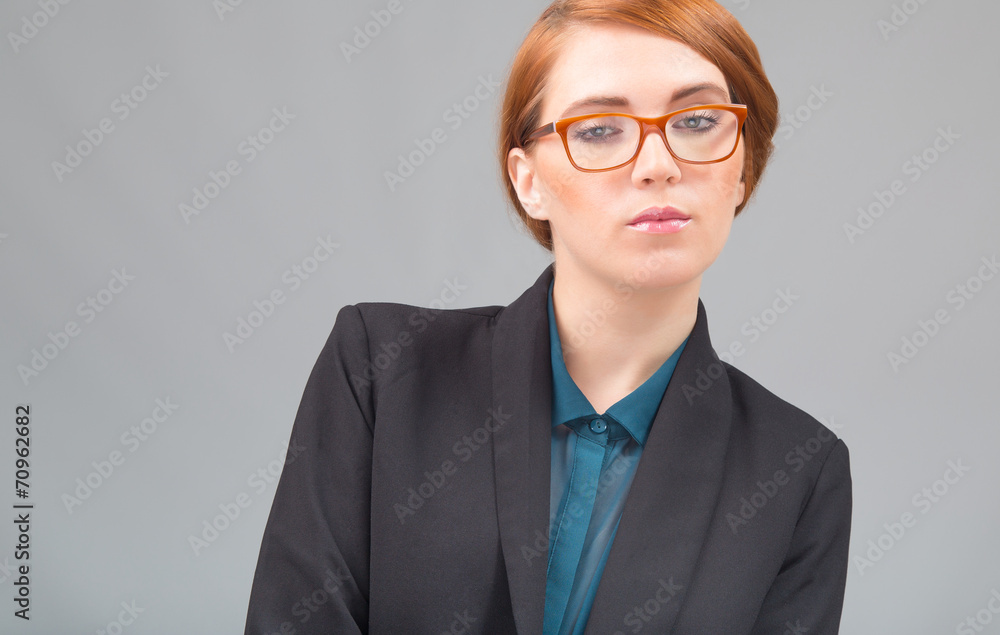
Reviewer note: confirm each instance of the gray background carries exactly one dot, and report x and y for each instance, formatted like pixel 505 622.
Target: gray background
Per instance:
pixel 161 337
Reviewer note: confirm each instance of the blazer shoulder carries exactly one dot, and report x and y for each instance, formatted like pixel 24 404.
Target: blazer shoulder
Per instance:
pixel 401 338
pixel 397 317
pixel 397 308
pixel 360 329
pixel 773 418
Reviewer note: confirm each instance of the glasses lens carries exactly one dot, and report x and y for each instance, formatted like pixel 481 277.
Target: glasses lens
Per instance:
pixel 703 135
pixel 601 142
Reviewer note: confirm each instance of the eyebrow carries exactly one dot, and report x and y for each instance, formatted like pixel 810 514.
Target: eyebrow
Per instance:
pixel 622 102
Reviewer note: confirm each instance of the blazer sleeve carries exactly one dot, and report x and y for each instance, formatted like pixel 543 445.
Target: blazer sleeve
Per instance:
pixel 807 595
pixel 312 569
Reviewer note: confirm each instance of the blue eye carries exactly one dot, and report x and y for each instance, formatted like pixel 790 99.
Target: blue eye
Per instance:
pixel 595 132
pixel 697 122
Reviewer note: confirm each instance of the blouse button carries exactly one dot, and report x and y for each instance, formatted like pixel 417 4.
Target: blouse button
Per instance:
pixel 597 426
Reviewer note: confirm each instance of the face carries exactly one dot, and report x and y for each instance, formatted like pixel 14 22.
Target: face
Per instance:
pixel 590 214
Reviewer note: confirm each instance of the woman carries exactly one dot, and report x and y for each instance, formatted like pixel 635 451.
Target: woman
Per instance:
pixel 579 461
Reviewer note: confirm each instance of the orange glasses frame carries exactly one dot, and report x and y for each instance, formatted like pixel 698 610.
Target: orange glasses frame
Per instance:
pixel 649 124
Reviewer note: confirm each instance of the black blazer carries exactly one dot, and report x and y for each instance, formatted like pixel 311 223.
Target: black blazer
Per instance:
pixel 415 493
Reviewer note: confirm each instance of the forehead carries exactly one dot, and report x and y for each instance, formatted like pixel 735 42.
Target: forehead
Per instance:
pixel 623 60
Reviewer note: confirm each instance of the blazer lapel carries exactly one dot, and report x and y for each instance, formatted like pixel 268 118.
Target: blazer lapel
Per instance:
pixel 673 494
pixel 672 497
pixel 522 386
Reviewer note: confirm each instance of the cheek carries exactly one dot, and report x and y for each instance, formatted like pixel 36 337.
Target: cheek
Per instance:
pixel 726 186
pixel 555 185
pixel 567 192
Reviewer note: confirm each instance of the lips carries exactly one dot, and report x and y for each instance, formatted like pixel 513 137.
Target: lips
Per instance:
pixel 659 214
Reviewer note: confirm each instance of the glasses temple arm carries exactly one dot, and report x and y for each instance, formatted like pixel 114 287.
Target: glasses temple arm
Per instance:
pixel 544 130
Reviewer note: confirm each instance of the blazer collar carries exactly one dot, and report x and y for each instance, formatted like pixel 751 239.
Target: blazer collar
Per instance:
pixel 673 494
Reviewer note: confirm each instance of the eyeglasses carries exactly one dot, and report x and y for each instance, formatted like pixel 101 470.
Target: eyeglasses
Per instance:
pixel 608 141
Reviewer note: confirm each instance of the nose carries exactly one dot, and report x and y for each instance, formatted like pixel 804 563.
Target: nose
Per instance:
pixel 654 160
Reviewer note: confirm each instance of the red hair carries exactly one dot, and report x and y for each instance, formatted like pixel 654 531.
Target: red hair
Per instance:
pixel 704 25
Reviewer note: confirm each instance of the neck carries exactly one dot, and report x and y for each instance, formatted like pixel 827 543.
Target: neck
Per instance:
pixel 616 334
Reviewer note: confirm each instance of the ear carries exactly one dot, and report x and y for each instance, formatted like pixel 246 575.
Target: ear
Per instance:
pixel 741 189
pixel 521 170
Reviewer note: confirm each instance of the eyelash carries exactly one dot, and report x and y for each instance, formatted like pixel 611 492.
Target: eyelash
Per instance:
pixel 701 115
